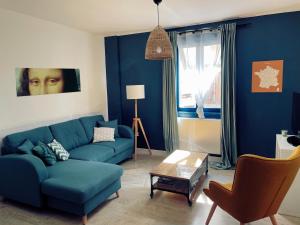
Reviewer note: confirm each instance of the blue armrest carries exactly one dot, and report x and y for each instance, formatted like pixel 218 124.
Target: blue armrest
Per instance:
pixel 20 178
pixel 125 131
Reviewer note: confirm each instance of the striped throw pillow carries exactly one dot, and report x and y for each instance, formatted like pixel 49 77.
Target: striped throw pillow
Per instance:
pixel 60 152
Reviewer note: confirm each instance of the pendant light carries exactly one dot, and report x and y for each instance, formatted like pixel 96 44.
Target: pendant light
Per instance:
pixel 158 45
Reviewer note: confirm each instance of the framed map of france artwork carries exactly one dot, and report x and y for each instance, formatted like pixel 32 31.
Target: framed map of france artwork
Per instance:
pixel 267 76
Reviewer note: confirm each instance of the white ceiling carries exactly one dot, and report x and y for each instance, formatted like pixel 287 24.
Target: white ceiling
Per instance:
pixel 111 17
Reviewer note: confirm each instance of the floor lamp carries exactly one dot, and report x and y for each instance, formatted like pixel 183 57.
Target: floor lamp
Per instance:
pixel 137 92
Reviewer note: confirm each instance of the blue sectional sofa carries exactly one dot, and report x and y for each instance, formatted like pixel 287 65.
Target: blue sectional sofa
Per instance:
pixel 77 185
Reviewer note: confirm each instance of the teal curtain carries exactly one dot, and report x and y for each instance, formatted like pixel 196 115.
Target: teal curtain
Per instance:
pixel 228 102
pixel 170 127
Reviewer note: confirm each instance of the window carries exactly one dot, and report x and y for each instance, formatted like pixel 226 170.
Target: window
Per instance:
pixel 199 73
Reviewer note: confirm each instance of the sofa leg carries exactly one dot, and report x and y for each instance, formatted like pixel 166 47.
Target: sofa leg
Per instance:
pixel 117 193
pixel 84 220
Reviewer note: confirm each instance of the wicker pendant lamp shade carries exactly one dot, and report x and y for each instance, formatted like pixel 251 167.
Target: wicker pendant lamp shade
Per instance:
pixel 158 45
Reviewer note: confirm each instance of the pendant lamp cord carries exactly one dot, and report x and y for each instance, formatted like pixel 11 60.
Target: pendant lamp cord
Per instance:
pixel 157 14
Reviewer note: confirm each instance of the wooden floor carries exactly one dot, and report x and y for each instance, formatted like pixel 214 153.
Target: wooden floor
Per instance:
pixel 134 205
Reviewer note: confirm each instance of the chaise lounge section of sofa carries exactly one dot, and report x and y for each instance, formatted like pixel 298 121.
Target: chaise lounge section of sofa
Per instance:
pixel 77 185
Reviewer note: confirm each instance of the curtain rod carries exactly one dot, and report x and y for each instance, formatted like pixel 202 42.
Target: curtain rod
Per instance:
pixel 210 28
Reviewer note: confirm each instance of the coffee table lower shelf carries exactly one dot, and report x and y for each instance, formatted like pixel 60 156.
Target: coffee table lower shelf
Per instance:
pixel 182 187
pixel 173 189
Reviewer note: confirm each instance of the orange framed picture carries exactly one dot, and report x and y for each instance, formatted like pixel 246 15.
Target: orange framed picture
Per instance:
pixel 267 76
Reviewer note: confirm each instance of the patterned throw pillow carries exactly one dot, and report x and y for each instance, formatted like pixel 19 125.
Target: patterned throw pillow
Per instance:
pixel 60 152
pixel 103 134
pixel 44 153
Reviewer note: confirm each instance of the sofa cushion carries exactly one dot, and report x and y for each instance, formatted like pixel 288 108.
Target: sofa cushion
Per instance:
pixel 92 152
pixel 12 141
pixel 88 123
pixel 70 134
pixel 78 181
pixel 119 145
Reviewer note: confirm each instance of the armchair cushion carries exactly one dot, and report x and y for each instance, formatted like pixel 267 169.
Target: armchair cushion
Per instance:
pixel 227 186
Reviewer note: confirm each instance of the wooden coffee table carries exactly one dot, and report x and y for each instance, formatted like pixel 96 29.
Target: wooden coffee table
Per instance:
pixel 180 173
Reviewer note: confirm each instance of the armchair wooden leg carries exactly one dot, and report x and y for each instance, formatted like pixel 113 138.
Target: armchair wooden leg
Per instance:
pixel 117 193
pixel 84 220
pixel 212 210
pixel 273 220
pixel 242 224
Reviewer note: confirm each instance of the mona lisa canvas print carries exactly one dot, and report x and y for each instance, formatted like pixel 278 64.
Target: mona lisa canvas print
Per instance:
pixel 41 81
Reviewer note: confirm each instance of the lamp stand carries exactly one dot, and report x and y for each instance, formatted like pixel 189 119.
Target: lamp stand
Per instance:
pixel 136 124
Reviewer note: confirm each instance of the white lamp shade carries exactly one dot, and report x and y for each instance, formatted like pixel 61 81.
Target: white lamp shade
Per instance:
pixel 135 91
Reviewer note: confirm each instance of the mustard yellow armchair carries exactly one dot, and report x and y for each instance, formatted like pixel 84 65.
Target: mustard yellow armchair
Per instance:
pixel 260 184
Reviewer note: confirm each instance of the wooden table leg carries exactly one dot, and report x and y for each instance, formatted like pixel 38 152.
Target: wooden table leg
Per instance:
pixel 206 164
pixel 151 180
pixel 189 196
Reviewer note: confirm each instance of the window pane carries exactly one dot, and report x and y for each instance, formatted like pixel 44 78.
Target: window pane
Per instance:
pixel 212 65
pixel 199 72
pixel 186 78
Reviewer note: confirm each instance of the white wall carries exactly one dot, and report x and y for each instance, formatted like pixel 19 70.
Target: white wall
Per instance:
pixel 200 134
pixel 30 42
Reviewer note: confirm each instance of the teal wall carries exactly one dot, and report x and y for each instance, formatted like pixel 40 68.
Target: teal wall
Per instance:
pixel 259 115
